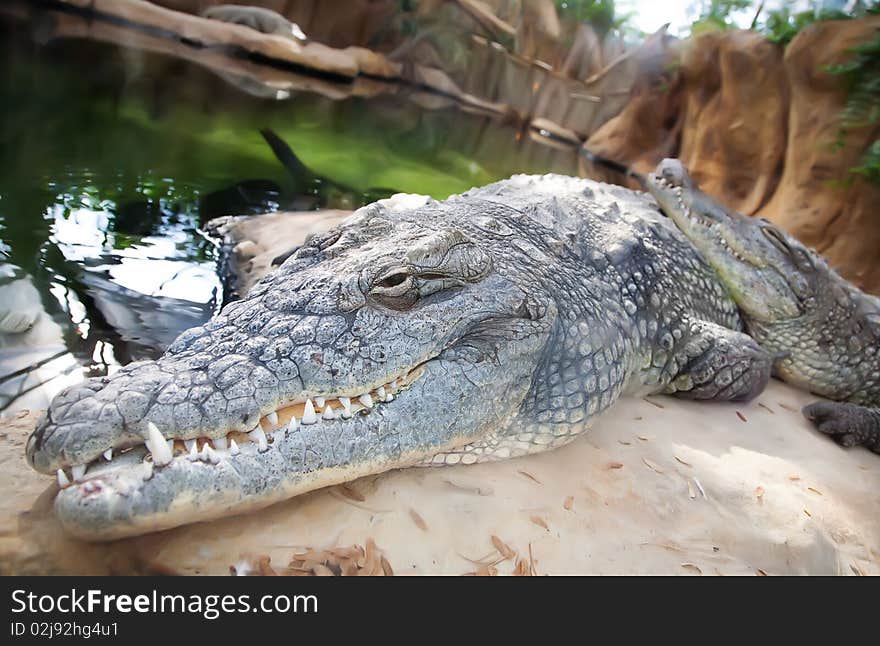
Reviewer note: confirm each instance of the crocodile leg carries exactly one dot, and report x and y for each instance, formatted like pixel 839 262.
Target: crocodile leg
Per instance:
pixel 720 365
pixel 849 424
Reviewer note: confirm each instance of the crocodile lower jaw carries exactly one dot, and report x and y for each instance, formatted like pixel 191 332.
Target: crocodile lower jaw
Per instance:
pixel 158 451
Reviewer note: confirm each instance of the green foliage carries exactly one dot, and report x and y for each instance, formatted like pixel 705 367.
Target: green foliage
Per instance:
pixel 715 14
pixel 600 14
pixel 861 74
pixel 782 24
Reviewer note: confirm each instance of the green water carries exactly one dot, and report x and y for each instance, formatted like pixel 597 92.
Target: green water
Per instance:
pixel 111 160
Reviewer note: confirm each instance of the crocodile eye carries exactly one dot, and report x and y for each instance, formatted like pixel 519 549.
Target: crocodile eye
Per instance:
pixel 776 238
pixel 396 288
pixel 393 280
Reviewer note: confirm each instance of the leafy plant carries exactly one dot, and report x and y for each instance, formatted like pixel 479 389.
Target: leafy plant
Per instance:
pixel 716 14
pixel 861 75
pixel 600 14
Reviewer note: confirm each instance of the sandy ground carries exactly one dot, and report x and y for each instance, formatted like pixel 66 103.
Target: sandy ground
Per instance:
pixel 658 486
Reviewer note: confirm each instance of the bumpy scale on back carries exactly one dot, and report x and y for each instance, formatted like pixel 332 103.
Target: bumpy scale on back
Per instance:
pixel 493 324
pixel 824 332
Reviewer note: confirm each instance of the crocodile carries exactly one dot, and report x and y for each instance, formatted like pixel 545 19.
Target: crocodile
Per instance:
pixel 493 324
pixel 823 331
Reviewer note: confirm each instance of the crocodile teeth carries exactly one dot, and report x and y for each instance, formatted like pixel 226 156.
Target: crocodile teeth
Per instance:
pixel 108 454
pixel 389 397
pixel 319 402
pixel 291 427
pixel 380 393
pixel 346 407
pixel 208 454
pixel 62 479
pixel 213 456
pixel 273 418
pixel 366 400
pixel 78 471
pixel 233 448
pixel 193 454
pixel 328 413
pixel 220 443
pixel 148 469
pixel 309 416
pixel 157 446
pixel 258 436
pixel 189 444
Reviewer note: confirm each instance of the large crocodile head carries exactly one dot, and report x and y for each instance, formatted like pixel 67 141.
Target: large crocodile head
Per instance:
pixel 771 276
pixel 405 333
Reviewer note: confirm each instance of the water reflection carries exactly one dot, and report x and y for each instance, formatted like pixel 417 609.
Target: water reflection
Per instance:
pixel 112 160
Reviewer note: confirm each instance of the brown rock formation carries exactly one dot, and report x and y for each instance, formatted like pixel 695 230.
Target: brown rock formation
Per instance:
pixel 815 200
pixel 756 125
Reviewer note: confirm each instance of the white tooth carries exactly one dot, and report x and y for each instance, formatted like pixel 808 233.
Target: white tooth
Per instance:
pixel 273 418
pixel 380 391
pixel 389 397
pixel 319 402
pixel 189 444
pixel 207 452
pixel 233 447
pixel 346 407
pixel 62 479
pixel 221 443
pixel 148 469
pixel 328 413
pixel 210 455
pixel 108 454
pixel 193 454
pixel 78 471
pixel 309 416
pixel 258 436
pixel 291 427
pixel 366 400
pixel 157 446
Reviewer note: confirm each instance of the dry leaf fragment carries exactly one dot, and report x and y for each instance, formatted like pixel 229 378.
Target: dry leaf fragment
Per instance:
pixel 687 464
pixel 741 416
pixel 653 403
pixel 529 476
pixel 856 570
pixel 643 438
pixel 615 465
pixel 691 493
pixel 767 408
pixel 521 569
pixel 691 568
pixel 539 522
pixel 568 504
pixel 700 487
pixel 653 465
pixel 418 520
pixel 794 478
pixel 625 443
pixel 807 512
pixel 503 548
pixel 814 490
pixel 787 407
pixel 760 572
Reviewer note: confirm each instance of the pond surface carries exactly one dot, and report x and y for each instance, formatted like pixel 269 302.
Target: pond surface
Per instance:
pixel 112 160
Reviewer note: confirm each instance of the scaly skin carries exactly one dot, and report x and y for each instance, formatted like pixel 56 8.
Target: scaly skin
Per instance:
pixel 514 313
pixel 824 331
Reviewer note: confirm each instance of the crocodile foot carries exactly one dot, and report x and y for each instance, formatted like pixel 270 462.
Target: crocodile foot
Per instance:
pixel 849 424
